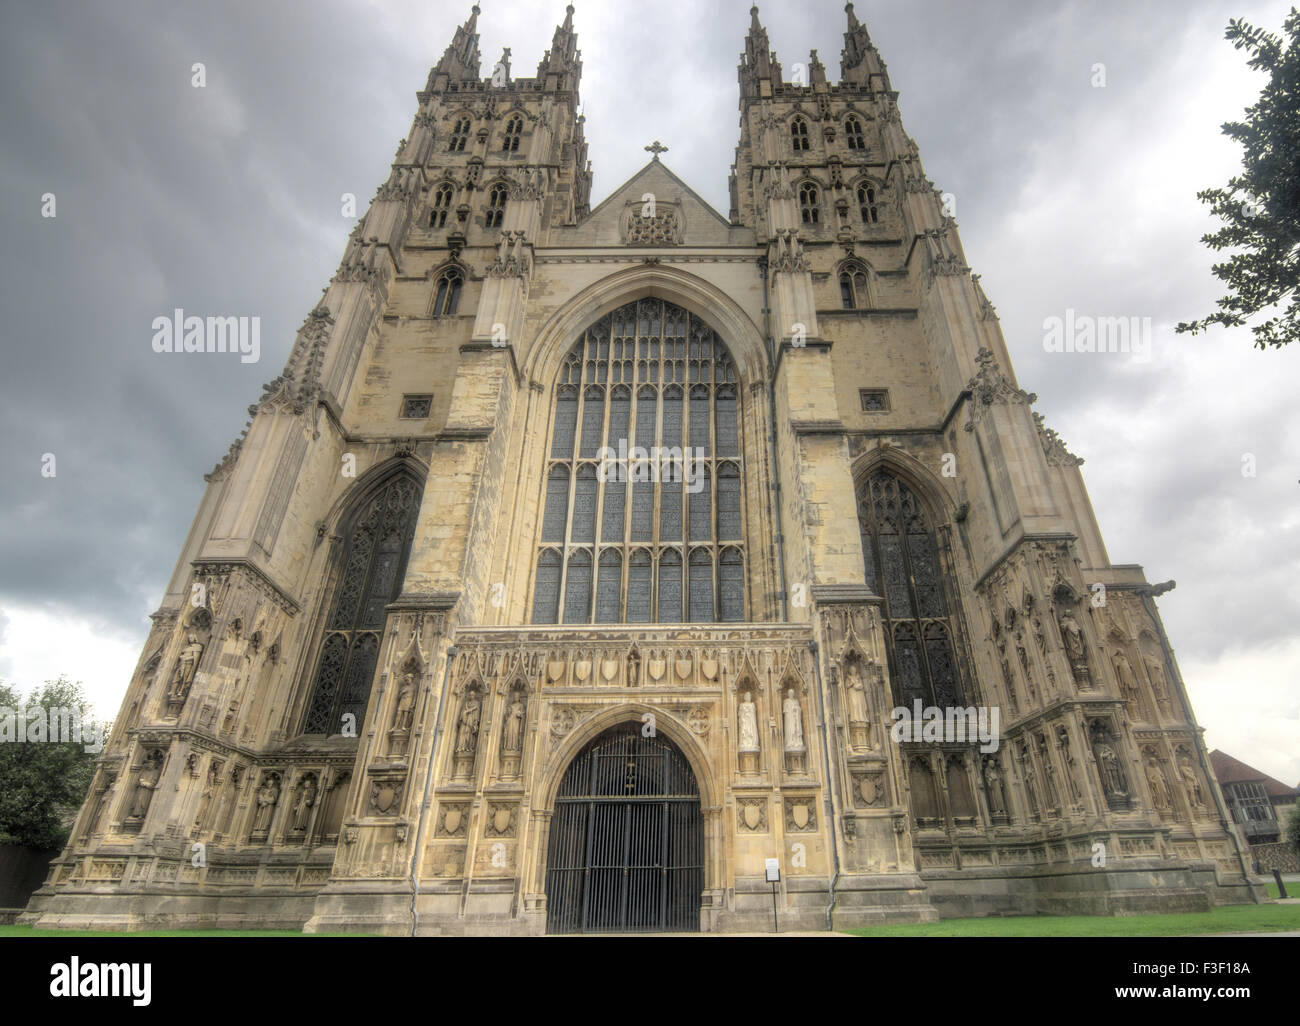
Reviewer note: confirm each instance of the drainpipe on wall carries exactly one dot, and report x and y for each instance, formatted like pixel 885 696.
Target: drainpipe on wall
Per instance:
pixel 774 493
pixel 833 800
pixel 424 800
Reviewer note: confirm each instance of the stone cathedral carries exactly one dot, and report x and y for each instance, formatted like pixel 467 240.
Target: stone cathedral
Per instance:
pixel 574 566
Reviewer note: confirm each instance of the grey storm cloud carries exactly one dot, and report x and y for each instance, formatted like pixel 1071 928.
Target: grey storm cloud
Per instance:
pixel 226 200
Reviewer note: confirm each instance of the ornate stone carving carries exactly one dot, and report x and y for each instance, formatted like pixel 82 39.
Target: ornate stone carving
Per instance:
pixel 751 815
pixel 304 802
pixel 146 783
pixel 1054 446
pixel 268 798
pixel 990 387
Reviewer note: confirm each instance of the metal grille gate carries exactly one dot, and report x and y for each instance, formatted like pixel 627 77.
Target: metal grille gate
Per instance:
pixel 626 851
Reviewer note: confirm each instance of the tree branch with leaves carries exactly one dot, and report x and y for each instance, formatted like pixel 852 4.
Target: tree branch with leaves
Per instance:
pixel 1260 207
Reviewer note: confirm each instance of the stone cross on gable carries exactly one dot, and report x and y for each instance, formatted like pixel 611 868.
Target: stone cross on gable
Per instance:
pixel 656 148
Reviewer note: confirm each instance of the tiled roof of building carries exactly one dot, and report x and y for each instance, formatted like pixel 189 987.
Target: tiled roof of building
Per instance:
pixel 1234 771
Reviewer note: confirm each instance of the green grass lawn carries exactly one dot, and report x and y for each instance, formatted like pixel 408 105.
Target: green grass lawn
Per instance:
pixel 1230 919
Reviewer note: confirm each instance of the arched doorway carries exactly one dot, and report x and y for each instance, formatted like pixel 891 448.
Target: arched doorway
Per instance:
pixel 626 851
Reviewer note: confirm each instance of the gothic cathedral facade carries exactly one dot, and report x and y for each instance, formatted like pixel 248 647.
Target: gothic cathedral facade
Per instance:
pixel 571 571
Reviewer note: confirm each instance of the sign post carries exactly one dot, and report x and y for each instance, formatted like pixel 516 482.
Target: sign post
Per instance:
pixel 774 878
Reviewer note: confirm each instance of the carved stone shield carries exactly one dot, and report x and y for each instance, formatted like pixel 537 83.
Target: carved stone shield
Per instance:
pixel 709 667
pixel 867 788
pixel 683 668
pixel 799 813
pixel 753 815
pixel 451 820
pixel 385 796
pixel 656 668
pixel 582 670
pixel 554 668
pixel 501 819
pixel 608 668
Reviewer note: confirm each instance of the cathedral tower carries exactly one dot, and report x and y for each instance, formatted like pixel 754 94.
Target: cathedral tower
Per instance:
pixel 574 566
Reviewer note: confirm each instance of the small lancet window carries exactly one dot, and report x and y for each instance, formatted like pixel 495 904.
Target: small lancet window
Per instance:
pixel 447 295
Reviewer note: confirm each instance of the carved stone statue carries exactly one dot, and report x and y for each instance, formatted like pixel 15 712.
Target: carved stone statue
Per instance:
pixel 145 785
pixel 633 668
pixel 467 731
pixel 307 791
pixel 1127 682
pixel 512 737
pixel 996 790
pixel 1191 782
pixel 186 665
pixel 1158 683
pixel 1113 781
pixel 1156 781
pixel 792 717
pixel 748 716
pixel 857 696
pixel 268 797
pixel 405 703
pixel 210 788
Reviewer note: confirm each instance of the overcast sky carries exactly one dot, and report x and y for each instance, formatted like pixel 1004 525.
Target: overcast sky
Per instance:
pixel 226 200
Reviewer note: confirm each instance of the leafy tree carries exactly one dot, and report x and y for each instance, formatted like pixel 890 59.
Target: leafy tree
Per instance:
pixel 1293 826
pixel 43 784
pixel 1261 206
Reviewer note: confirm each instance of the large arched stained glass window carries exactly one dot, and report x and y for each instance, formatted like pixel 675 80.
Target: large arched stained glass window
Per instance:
pixel 641 499
pixel 377 543
pixel 898 544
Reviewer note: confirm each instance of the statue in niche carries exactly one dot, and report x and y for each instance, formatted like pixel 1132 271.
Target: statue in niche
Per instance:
pixel 145 785
pixel 1072 636
pixel 1191 782
pixel 792 717
pixel 1030 777
pixel 186 665
pixel 633 668
pixel 1050 791
pixel 1113 781
pixel 1127 682
pixel 467 731
pixel 748 716
pixel 856 690
pixel 210 786
pixel 405 702
pixel 512 736
pixel 268 797
pixel 307 792
pixel 1067 756
pixel 1156 781
pixel 996 790
pixel 1158 683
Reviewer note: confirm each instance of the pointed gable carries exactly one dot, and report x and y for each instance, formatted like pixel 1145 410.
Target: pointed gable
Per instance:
pixel 681 217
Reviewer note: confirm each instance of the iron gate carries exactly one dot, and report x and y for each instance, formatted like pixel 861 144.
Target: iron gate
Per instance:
pixel 626 851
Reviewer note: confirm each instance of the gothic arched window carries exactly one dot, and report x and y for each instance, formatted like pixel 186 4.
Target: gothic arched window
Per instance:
pixel 377 542
pixel 459 135
pixel 809 204
pixel 853 133
pixel 867 208
pixel 442 197
pixel 642 498
pixel 446 296
pixel 514 128
pixel 496 211
pixel 853 287
pixel 799 135
pixel 902 560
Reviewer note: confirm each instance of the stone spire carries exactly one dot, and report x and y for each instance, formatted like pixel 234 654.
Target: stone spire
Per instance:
pixel 759 69
pixel 859 60
pixel 561 67
pixel 461 60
